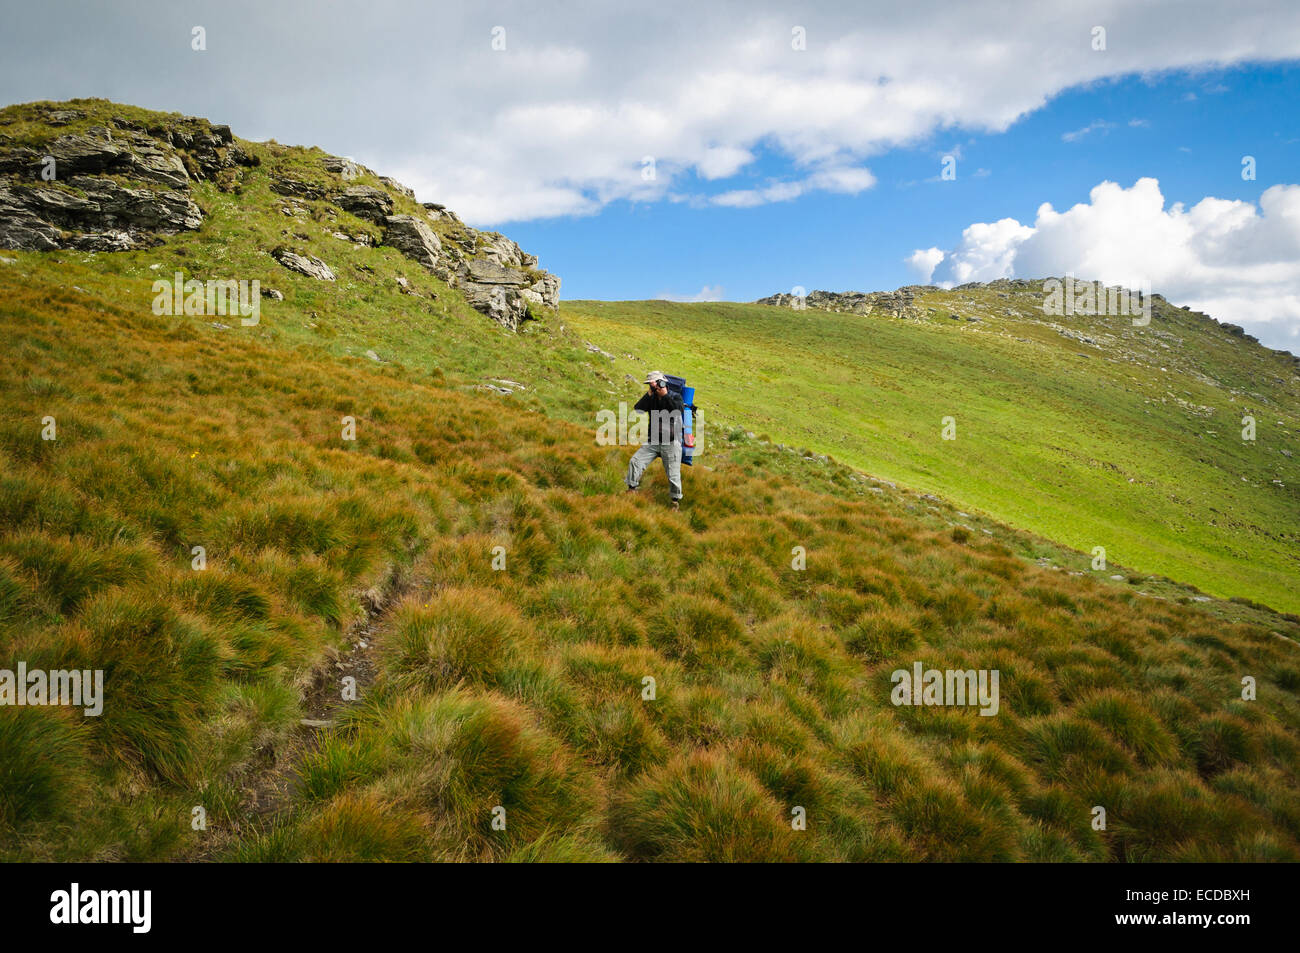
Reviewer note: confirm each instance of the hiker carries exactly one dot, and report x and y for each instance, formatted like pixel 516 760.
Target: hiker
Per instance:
pixel 663 436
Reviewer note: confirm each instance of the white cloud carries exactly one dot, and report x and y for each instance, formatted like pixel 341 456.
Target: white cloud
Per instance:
pixel 558 122
pixel 1094 126
pixel 707 293
pixel 720 162
pixel 845 180
pixel 924 261
pixel 1234 260
pixel 749 198
pixel 986 251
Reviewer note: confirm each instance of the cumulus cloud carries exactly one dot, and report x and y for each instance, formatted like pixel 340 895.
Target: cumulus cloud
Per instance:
pixel 720 162
pixel 559 120
pixel 1234 260
pixel 923 261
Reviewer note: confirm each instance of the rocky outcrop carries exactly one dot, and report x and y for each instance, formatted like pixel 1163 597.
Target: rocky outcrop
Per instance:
pixel 346 169
pixel 114 183
pixel 91 213
pixel 544 291
pixel 440 213
pixel 494 289
pixel 507 295
pixel 417 241
pixel 367 202
pixel 294 189
pixel 495 275
pixel 96 153
pixel 897 304
pixel 308 265
pixel 210 148
pixel 68 192
pixel 398 187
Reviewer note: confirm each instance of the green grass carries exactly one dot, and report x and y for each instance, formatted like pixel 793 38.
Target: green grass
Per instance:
pixel 526 688
pixel 1133 444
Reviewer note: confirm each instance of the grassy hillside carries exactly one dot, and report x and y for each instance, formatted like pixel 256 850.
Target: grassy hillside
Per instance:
pixel 523 687
pixel 1085 429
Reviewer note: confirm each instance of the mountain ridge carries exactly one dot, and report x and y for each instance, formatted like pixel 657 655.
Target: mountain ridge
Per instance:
pixel 899 302
pixel 93 175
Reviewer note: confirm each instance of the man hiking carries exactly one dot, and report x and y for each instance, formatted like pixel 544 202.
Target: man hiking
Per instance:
pixel 663 436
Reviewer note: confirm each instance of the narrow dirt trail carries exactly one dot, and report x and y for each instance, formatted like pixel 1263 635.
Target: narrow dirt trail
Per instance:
pixel 269 782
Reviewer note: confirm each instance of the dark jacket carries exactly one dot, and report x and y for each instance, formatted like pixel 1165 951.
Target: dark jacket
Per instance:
pixel 665 416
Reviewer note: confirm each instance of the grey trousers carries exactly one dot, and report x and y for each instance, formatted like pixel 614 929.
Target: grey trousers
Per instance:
pixel 670 453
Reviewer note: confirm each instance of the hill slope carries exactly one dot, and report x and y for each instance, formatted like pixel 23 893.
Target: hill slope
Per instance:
pixel 1085 429
pixel 516 692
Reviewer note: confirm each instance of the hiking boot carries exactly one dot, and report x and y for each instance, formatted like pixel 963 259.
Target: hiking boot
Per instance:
pixel 677 504
pixel 631 489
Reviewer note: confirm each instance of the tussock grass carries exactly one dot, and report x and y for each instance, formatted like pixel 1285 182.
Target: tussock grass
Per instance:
pixel 526 687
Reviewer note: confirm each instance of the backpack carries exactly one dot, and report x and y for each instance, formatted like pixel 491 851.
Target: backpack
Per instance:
pixel 677 385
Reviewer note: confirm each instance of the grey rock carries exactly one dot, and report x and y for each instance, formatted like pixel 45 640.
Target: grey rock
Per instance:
pixel 898 304
pixel 497 248
pixel 295 189
pixel 154 165
pixel 366 202
pixel 506 294
pixel 491 273
pixel 544 292
pixel 440 213
pixel 112 240
pixel 272 294
pixel 104 214
pixel 345 168
pixel 61 117
pixel 397 187
pixel 211 147
pixel 307 265
pixel 416 240
pixel 167 212
pixel 502 304
pixel 100 215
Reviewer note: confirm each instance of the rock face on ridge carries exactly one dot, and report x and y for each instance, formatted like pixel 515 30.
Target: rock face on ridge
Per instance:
pixel 897 304
pixel 417 241
pixel 70 192
pixel 85 175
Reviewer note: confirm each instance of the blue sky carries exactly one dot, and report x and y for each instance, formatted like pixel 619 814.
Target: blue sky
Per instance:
pixel 1188 129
